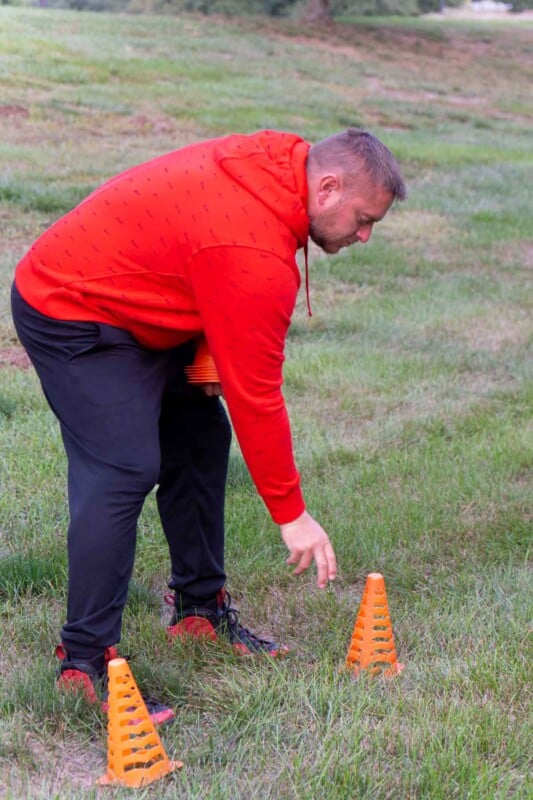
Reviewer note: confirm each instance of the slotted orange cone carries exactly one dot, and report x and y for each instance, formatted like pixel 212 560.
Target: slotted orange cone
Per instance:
pixel 203 370
pixel 136 756
pixel 372 646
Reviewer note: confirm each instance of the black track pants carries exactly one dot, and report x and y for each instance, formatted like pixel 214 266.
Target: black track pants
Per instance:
pixel 129 422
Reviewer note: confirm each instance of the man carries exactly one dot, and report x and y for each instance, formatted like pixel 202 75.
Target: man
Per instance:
pixel 110 303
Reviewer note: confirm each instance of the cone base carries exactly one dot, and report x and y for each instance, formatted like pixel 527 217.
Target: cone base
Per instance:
pixel 136 781
pixel 389 672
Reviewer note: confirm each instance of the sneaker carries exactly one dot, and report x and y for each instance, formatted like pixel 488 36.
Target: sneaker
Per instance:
pixel 219 620
pixel 89 677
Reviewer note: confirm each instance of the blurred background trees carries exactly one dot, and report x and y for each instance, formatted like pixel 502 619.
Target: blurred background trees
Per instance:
pixel 316 11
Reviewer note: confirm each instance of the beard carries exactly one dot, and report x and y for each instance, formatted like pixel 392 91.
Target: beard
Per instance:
pixel 319 232
pixel 319 236
pixel 323 228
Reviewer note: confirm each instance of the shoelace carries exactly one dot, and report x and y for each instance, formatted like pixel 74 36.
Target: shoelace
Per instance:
pixel 231 617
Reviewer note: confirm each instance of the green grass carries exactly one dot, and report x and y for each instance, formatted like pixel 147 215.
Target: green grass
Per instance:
pixel 410 396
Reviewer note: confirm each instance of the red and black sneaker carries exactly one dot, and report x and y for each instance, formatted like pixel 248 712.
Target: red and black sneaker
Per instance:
pixel 219 620
pixel 89 677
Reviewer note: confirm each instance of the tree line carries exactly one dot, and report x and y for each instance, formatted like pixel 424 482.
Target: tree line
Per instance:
pixel 309 10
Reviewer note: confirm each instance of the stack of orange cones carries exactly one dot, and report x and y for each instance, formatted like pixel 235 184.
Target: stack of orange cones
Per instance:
pixel 203 369
pixel 136 756
pixel 372 646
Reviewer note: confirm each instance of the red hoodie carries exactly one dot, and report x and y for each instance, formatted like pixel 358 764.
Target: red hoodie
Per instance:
pixel 201 240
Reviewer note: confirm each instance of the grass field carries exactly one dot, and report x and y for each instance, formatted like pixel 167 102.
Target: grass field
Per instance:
pixel 409 390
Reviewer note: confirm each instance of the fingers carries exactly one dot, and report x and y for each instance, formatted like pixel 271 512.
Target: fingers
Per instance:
pixel 304 562
pixel 324 558
pixel 326 566
pixel 212 389
pixel 307 542
pixel 331 562
pixel 321 572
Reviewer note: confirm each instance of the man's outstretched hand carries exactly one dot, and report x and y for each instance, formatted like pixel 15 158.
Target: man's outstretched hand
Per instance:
pixel 306 542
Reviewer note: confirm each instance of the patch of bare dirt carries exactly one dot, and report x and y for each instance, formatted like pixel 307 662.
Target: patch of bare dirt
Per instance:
pixel 12 110
pixel 73 766
pixel 14 357
pixel 153 123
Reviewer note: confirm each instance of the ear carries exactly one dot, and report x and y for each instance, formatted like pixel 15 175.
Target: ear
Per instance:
pixel 328 187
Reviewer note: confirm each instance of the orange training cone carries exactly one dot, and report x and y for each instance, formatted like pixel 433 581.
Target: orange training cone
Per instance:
pixel 136 756
pixel 203 370
pixel 372 646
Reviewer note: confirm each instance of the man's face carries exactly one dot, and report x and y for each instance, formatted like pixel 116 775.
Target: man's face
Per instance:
pixel 339 219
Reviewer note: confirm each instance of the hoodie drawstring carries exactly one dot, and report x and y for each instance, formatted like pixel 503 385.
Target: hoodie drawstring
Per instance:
pixel 307 293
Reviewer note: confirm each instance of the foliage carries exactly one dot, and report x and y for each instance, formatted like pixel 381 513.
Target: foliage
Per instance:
pixel 388 7
pixel 521 5
pixel 272 8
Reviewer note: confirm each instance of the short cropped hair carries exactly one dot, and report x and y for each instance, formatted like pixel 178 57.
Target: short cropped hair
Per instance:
pixel 359 155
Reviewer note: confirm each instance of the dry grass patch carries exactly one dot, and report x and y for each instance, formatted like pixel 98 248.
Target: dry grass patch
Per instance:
pixel 510 327
pixel 515 253
pixel 357 417
pixel 63 766
pixel 425 230
pixel 13 357
pixel 331 296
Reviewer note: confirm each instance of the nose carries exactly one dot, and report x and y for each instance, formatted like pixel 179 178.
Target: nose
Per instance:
pixel 364 233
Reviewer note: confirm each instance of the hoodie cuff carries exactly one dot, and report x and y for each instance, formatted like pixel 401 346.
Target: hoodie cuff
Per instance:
pixel 287 509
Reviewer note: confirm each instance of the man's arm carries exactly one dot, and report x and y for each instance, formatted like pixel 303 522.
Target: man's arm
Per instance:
pixel 246 298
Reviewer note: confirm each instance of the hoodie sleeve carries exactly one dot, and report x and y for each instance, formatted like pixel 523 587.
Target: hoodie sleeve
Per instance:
pixel 245 298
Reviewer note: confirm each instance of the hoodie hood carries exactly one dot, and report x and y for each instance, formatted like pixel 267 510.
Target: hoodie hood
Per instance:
pixel 271 166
